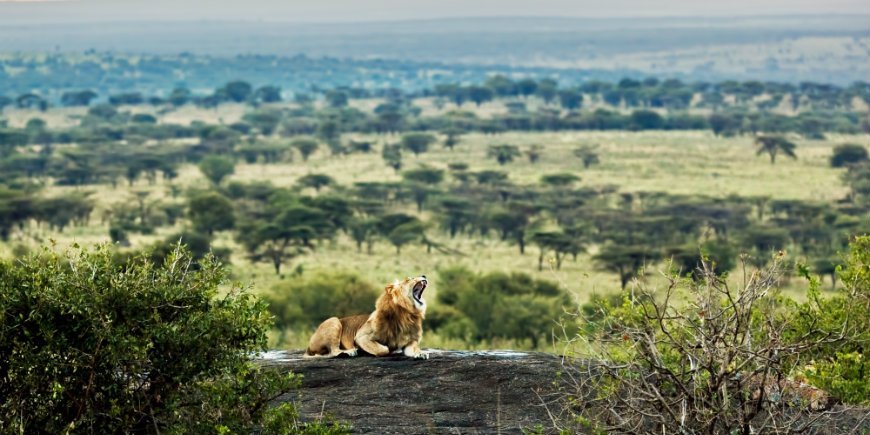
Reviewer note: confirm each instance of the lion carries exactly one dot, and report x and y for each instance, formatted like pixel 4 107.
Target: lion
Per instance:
pixel 395 325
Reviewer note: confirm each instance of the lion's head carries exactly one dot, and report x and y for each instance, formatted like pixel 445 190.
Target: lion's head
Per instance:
pixel 408 293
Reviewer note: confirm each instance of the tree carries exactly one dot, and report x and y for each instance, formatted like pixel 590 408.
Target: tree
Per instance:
pixel 527 87
pixel 179 97
pixel 588 154
pixel 424 175
pixel 363 230
pixel 646 120
pixel 570 99
pixel 237 91
pixel 558 242
pixel 501 85
pixel 336 98
pixel 849 154
pixel 565 179
pixel 452 137
pixel 268 94
pixel 264 120
pixel 512 221
pixel 534 153
pixel 773 145
pixel 392 155
pixel 417 143
pixel 127 98
pixel 210 211
pixel 147 348
pixel 480 94
pixel 290 234
pixel 503 154
pixel 547 90
pixel 456 214
pixel 626 261
pixel 406 233
pixel 30 101
pixel 306 146
pixel 216 168
pixel 315 181
pixel 716 255
pixel 330 132
pixel 78 98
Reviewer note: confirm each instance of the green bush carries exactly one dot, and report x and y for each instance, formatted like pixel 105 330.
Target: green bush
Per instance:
pixel 90 346
pixel 496 305
pixel 306 303
pixel 840 367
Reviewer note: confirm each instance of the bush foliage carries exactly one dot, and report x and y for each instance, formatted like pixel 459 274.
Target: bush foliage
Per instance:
pixel 496 305
pixel 90 346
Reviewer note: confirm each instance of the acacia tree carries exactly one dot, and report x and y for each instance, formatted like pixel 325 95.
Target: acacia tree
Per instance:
pixel 456 214
pixel 363 231
pixel 773 145
pixel 560 180
pixel 511 221
pixel 216 168
pixel 291 233
pixel 420 183
pixel 406 233
pixel 417 143
pixel 503 154
pixel 625 260
pixel 588 155
pixel 392 155
pixel 306 146
pixel 315 181
pixel 452 137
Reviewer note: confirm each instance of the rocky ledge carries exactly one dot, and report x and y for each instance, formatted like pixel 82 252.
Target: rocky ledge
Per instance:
pixel 451 392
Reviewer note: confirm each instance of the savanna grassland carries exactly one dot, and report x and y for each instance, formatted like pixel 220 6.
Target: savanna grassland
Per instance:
pixel 648 162
pixel 546 194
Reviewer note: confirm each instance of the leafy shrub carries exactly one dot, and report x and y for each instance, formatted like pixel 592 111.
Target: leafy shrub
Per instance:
pixel 840 367
pixel 306 303
pixel 848 154
pixel 93 347
pixel 496 305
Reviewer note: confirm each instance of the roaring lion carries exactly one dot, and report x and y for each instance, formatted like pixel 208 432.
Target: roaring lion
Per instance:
pixel 396 324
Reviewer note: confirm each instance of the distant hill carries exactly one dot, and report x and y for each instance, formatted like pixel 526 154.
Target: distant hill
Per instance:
pixel 834 49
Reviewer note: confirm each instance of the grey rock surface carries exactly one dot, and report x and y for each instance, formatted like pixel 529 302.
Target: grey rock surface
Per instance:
pixel 452 392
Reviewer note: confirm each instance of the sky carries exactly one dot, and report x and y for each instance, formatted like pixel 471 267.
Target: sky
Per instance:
pixel 35 11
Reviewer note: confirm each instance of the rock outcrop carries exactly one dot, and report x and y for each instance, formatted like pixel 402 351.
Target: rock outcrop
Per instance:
pixel 451 392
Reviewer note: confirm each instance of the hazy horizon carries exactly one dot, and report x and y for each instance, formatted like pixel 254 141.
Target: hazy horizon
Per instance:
pixel 77 11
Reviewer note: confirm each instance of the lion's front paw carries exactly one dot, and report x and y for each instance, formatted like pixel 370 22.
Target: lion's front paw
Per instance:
pixel 351 352
pixel 422 355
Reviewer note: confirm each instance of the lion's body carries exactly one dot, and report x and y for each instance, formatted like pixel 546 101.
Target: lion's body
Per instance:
pixel 335 336
pixel 396 324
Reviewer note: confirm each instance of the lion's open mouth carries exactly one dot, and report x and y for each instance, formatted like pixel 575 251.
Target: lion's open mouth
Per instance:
pixel 418 291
